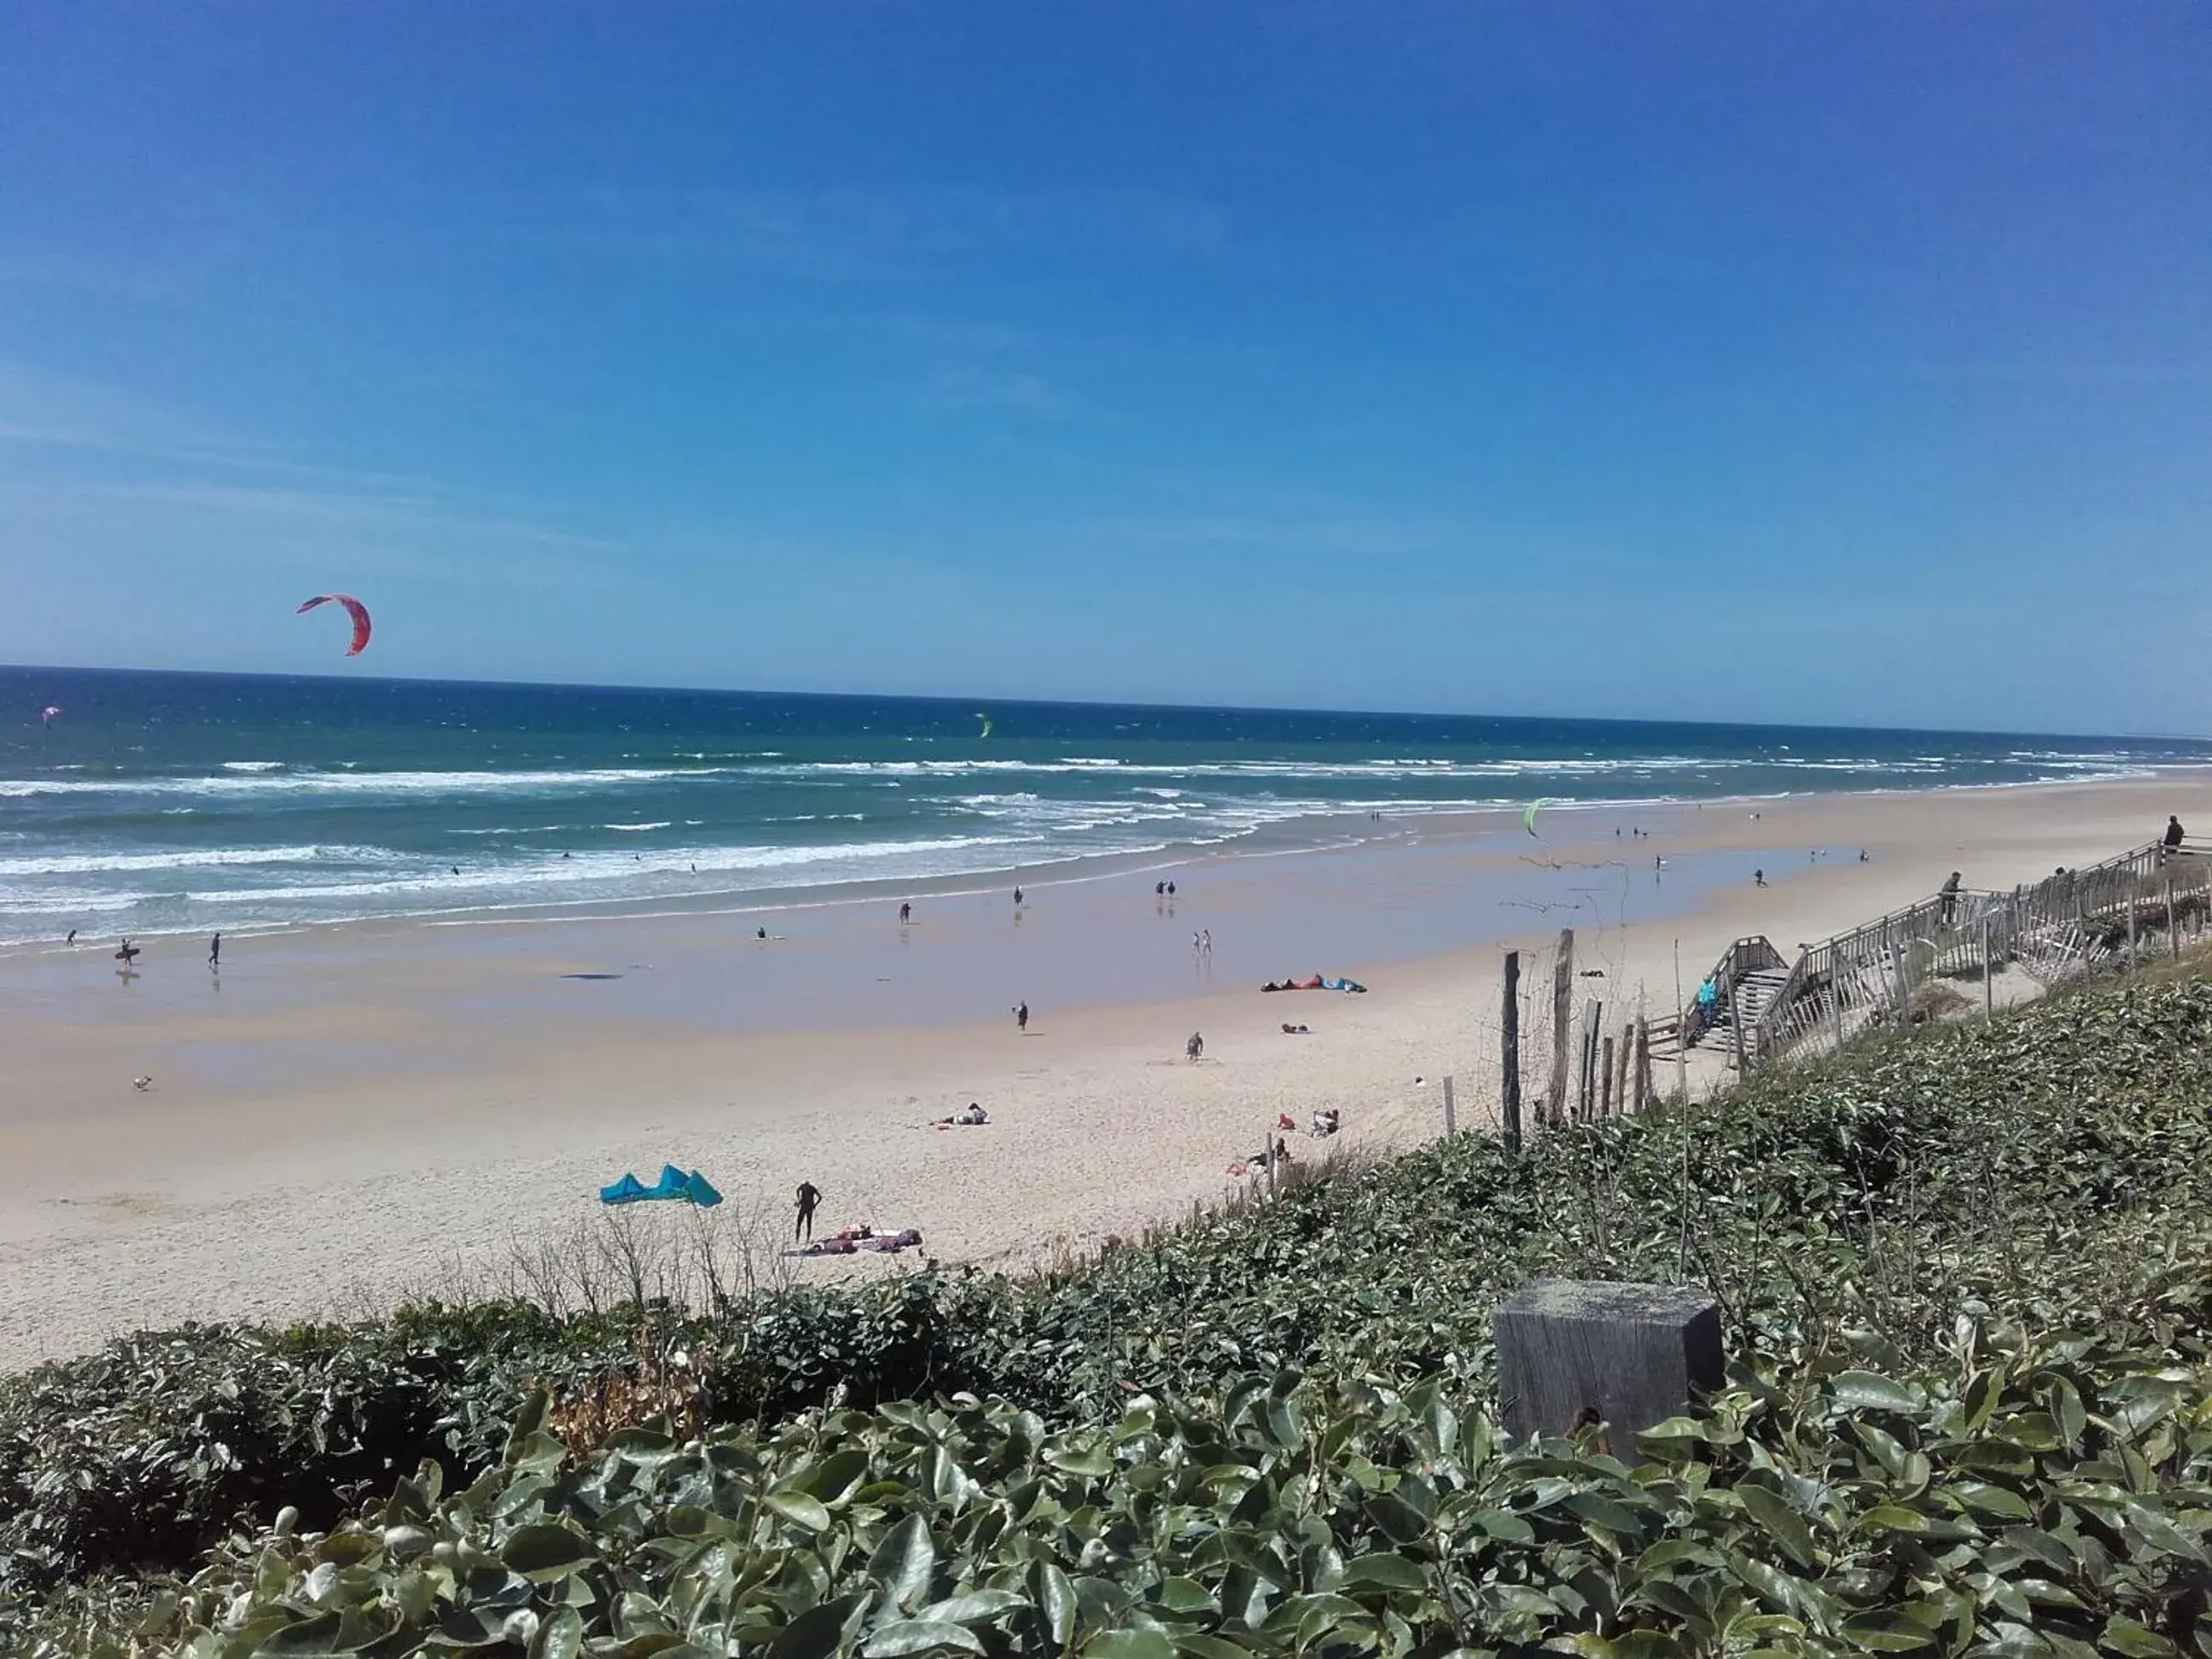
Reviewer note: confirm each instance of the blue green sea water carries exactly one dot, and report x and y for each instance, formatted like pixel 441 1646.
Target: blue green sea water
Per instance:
pixel 157 802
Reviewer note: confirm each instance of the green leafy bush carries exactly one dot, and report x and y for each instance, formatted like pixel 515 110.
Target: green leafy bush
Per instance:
pixel 2035 1496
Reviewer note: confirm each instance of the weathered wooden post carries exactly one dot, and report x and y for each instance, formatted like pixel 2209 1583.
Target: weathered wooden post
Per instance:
pixel 1643 1065
pixel 1572 1352
pixel 1736 1024
pixel 1586 1083
pixel 1836 992
pixel 2131 927
pixel 1563 1016
pixel 1606 1106
pixel 1988 975
pixel 2172 934
pixel 1451 1117
pixel 1509 1091
pixel 1897 981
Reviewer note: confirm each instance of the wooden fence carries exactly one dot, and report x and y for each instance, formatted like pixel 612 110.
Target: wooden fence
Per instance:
pixel 2067 924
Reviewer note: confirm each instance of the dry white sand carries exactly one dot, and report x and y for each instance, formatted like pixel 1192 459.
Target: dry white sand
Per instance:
pixel 372 1108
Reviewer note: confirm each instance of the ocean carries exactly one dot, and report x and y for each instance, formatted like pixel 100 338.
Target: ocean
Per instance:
pixel 166 802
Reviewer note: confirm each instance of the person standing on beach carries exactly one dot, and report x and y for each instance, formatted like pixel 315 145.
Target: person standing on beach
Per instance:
pixel 1759 877
pixel 906 913
pixel 215 952
pixel 810 1196
pixel 1022 1017
pixel 1017 898
pixel 1950 897
pixel 1206 942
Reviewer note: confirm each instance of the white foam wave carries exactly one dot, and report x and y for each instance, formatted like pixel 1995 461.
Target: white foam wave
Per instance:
pixel 207 858
pixel 362 783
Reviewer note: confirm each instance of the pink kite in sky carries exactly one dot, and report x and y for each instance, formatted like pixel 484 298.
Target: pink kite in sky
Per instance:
pixel 47 715
pixel 355 609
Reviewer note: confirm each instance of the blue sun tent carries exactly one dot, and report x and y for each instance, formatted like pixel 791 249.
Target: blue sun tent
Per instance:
pixel 674 1183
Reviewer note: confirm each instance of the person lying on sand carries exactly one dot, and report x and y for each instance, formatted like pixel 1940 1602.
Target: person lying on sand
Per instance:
pixel 1290 1029
pixel 1325 1121
pixel 967 1118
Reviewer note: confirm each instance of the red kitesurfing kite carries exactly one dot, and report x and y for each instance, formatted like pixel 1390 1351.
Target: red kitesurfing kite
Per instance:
pixel 355 609
pixel 50 713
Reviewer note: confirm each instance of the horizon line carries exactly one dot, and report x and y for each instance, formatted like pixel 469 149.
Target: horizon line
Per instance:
pixel 1075 702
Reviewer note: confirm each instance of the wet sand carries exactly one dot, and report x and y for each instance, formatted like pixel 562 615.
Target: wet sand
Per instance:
pixel 360 1110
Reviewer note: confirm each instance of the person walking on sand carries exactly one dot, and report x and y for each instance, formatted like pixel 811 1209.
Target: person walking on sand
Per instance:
pixel 1022 1017
pixel 1195 1048
pixel 1017 898
pixel 215 952
pixel 1206 942
pixel 810 1196
pixel 1759 877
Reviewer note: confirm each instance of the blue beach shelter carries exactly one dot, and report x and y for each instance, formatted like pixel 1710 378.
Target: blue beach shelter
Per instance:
pixel 674 1183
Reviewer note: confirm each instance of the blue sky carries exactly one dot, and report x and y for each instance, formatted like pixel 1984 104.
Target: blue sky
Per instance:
pixel 1796 362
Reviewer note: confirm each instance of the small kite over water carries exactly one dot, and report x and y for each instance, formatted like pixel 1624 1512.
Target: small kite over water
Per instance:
pixel 355 609
pixel 50 714
pixel 986 718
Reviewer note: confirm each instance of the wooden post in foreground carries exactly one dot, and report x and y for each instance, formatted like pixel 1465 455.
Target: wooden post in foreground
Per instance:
pixel 1563 1017
pixel 1606 1107
pixel 1451 1117
pixel 1510 1092
pixel 2172 934
pixel 2131 927
pixel 1572 1352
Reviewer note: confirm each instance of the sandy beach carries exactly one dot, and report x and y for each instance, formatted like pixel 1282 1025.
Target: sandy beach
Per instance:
pixel 355 1111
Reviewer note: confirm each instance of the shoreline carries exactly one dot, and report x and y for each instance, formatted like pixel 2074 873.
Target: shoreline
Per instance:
pixel 378 1103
